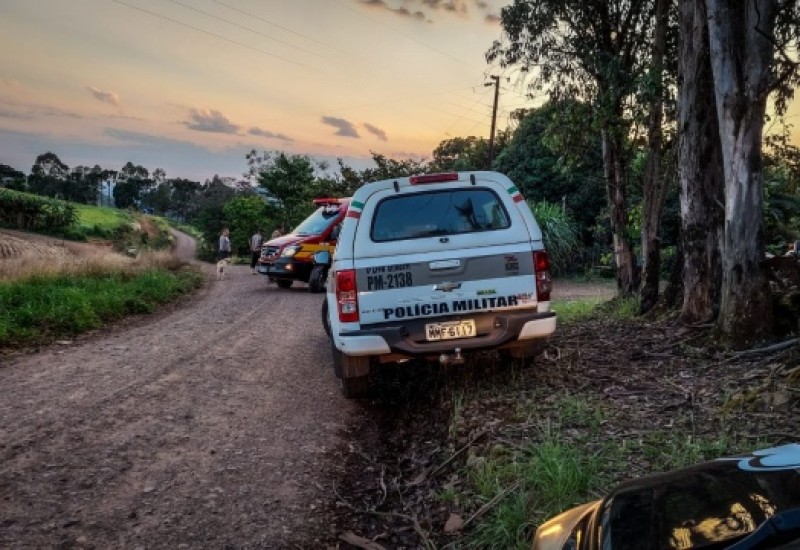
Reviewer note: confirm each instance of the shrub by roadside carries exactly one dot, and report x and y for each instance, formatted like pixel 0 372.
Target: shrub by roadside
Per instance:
pixel 39 306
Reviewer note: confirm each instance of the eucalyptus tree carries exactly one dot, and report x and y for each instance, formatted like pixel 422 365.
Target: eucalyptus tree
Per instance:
pixel 48 175
pixel 700 171
pixel 83 184
pixel 133 182
pixel 749 45
pixel 594 52
pixel 656 91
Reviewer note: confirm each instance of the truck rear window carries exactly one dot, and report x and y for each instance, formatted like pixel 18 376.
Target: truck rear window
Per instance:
pixel 435 213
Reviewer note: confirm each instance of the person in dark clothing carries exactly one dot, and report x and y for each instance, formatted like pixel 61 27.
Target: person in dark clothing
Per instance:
pixel 224 245
pixel 255 249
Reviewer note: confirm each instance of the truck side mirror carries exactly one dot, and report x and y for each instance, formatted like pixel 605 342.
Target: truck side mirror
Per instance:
pixel 323 257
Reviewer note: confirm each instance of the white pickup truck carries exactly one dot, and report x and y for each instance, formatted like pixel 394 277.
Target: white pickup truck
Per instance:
pixel 436 266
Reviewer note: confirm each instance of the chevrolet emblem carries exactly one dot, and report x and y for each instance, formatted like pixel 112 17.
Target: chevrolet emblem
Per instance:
pixel 447 287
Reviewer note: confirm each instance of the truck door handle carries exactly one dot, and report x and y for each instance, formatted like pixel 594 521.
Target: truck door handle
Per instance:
pixel 444 264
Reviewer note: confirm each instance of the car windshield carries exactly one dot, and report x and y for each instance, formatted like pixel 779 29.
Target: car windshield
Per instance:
pixel 706 510
pixel 319 221
pixel 436 213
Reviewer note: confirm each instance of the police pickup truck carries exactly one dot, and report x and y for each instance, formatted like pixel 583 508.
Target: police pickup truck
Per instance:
pixel 436 266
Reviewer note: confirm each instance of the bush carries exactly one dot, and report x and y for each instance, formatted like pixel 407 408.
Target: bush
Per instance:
pixel 33 213
pixel 42 308
pixel 560 235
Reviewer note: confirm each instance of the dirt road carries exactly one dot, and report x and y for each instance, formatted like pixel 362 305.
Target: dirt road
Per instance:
pixel 207 426
pixel 217 424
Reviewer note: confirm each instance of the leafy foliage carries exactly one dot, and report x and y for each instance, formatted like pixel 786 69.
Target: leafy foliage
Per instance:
pixel 46 307
pixel 244 215
pixel 48 175
pixel 133 181
pixel 469 153
pixel 385 168
pixel 549 163
pixel 559 233
pixel 29 212
pixel 289 181
pixel 12 178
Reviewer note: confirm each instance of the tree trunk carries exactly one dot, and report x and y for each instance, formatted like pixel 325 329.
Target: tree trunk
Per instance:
pixel 699 170
pixel 627 276
pixel 741 57
pixel 655 185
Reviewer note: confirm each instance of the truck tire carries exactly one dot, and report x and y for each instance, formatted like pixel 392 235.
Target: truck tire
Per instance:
pixel 352 372
pixel 316 281
pixel 283 283
pixel 355 388
pixel 524 351
pixel 326 322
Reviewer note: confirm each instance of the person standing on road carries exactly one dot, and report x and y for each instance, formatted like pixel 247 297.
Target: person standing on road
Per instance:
pixel 255 249
pixel 224 245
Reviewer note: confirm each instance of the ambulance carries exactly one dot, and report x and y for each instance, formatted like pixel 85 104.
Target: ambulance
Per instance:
pixel 290 257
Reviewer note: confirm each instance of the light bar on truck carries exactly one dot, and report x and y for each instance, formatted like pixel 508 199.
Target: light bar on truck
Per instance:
pixel 433 178
pixel 326 202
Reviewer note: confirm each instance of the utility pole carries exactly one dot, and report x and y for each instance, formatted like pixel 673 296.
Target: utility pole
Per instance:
pixel 494 117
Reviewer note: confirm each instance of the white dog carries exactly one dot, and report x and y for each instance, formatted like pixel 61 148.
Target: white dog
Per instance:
pixel 221 268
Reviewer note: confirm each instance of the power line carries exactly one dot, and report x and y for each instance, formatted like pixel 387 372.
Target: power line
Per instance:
pixel 248 29
pixel 286 29
pixel 296 63
pixel 220 37
pixel 401 33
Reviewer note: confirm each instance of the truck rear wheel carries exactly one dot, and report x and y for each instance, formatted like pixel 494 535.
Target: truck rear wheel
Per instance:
pixel 355 388
pixel 524 351
pixel 326 322
pixel 352 372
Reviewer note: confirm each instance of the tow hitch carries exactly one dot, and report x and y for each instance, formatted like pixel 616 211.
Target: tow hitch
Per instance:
pixel 455 359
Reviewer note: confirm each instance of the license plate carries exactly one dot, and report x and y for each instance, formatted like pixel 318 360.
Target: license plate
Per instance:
pixel 263 269
pixel 450 330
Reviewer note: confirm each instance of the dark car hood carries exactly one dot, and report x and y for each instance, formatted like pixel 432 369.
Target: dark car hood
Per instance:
pixel 706 504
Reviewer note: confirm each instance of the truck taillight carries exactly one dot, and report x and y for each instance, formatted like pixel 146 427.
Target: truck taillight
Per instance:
pixel 544 284
pixel 347 296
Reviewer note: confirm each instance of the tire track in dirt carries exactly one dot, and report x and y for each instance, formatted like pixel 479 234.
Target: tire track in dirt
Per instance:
pixel 205 426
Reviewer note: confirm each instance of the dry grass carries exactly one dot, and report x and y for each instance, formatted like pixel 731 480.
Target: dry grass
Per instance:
pixel 43 260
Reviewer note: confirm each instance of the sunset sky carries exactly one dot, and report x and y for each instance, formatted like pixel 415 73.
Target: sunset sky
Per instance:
pixel 192 85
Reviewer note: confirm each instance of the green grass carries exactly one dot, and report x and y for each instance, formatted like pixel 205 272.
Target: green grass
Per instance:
pixel 571 311
pixel 41 309
pixel 550 475
pixel 567 458
pixel 101 218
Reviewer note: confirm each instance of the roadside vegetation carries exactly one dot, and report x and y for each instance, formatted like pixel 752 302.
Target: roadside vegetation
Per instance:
pixel 480 455
pixel 50 291
pixel 42 300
